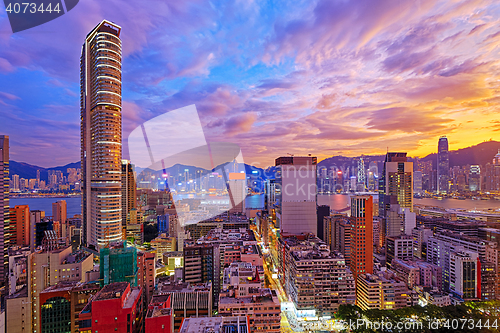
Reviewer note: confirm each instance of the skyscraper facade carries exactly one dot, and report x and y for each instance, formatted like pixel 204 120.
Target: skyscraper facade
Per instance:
pixel 443 165
pixel 100 103
pixel 128 190
pixel 395 189
pixel 475 178
pixel 4 207
pixel 361 235
pixel 296 178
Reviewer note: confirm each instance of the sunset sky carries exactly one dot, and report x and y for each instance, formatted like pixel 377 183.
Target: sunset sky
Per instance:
pixel 323 77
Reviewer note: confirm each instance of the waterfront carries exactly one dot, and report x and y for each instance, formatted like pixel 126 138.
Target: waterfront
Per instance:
pixel 335 201
pixel 73 204
pixel 341 201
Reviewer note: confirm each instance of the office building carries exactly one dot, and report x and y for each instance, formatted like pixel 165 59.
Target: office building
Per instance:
pixel 237 192
pixel 59 215
pixel 296 211
pixel 18 312
pixel 202 265
pixel 117 307
pixel 322 212
pixel 382 291
pixel 20 220
pixel 361 256
pixel 417 182
pixel 443 244
pixel 400 247
pixel 187 300
pixel 475 178
pixel 101 127
pixel 163 244
pixel 465 275
pixel 443 165
pixel 396 180
pixel 493 235
pixel 47 268
pixel 420 236
pixel 146 275
pixel 5 227
pixel 62 303
pixel 128 190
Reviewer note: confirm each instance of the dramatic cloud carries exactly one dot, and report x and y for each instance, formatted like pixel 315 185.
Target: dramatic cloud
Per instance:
pixel 321 77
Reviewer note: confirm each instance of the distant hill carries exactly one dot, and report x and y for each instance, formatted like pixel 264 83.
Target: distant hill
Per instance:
pixel 479 154
pixel 28 171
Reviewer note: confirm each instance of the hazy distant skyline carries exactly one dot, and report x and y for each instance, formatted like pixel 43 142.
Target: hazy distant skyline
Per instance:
pixel 321 77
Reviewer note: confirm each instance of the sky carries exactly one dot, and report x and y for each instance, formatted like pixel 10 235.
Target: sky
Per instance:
pixel 321 77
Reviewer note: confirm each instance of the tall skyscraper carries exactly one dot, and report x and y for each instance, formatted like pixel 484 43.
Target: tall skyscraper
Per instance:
pixel 475 178
pixel 395 188
pixel 296 178
pixel 397 180
pixel 101 122
pixel 4 207
pixel 443 165
pixel 361 235
pixel 20 217
pixel 59 215
pixel 128 190
pixel 15 182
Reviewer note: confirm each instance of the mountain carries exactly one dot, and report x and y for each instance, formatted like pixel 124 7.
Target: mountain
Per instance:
pixel 28 171
pixel 479 154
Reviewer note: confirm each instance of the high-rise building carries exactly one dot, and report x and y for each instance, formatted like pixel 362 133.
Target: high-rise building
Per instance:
pixel 237 192
pixel 361 235
pixel 101 124
pixel 396 180
pixel 201 265
pixel 4 207
pixel 296 177
pixel 465 275
pixel 15 182
pixel 382 291
pixel 400 247
pixel 47 268
pixel 395 188
pixel 118 264
pixel 315 279
pixel 128 190
pixel 475 178
pixel 20 217
pixel 146 276
pixel 443 165
pixel 59 215
pixel 417 182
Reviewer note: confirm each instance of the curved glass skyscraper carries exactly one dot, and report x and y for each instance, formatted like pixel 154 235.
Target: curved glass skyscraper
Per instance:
pixel 101 128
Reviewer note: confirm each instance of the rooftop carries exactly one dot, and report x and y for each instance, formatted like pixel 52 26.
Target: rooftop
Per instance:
pixel 113 290
pixel 215 325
